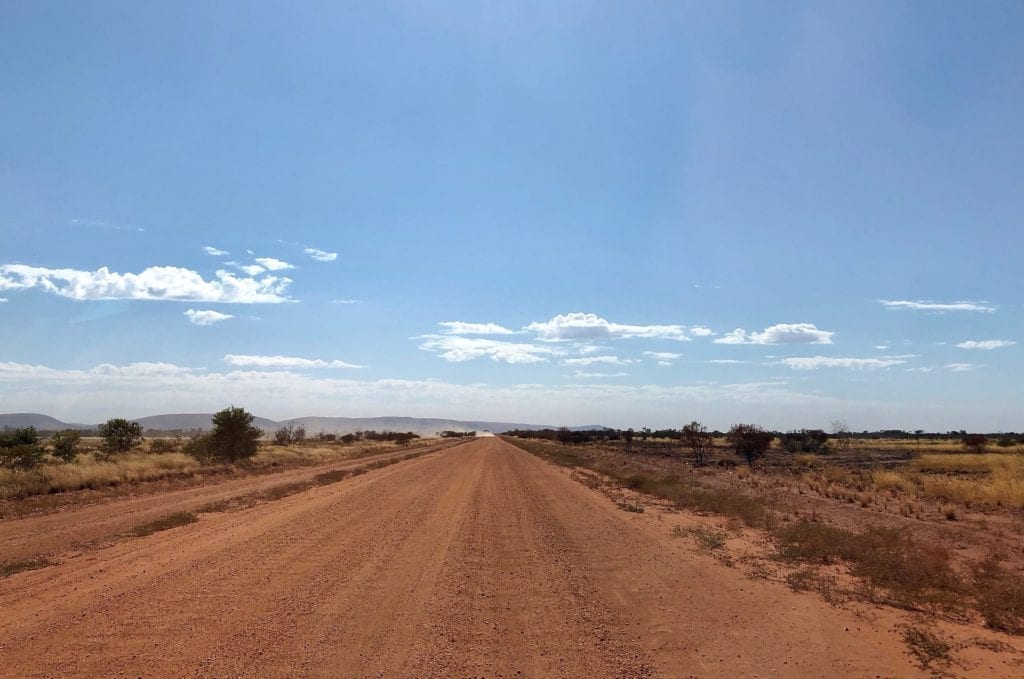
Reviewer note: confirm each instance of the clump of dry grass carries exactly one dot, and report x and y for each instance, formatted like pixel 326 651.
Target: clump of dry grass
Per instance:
pixel 164 523
pixel 11 567
pixel 926 647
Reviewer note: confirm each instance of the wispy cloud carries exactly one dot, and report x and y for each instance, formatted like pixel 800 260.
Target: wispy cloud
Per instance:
pixel 271 264
pixel 346 301
pixel 700 331
pixel 980 306
pixel 248 360
pixel 102 224
pixel 584 326
pixel 592 360
pixel 781 333
pixel 205 316
pixel 321 255
pixel 986 344
pixel 726 361
pixel 815 362
pixel 464 328
pixel 961 367
pixel 154 283
pixel 457 349
pixel 580 374
pixel 214 252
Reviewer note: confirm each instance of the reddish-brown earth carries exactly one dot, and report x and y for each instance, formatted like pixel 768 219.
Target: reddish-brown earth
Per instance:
pixel 473 560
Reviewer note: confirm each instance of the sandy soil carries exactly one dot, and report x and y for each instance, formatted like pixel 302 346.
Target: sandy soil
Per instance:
pixel 476 560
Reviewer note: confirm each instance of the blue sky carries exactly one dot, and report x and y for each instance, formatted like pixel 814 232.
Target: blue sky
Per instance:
pixel 593 196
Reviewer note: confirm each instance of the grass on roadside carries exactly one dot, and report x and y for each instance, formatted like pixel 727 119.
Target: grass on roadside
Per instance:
pixel 163 523
pixel 11 567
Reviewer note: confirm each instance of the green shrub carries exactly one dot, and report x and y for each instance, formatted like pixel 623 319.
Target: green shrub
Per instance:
pixel 65 444
pixel 233 437
pixel 120 435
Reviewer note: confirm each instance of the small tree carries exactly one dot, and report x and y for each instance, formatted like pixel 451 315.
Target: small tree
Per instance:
pixel 750 441
pixel 283 436
pixel 233 436
pixel 120 435
pixel 20 449
pixel 65 444
pixel 698 439
pixel 841 436
pixel 975 443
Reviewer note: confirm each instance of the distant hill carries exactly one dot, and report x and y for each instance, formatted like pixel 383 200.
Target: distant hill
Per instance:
pixel 189 421
pixel 40 422
pixel 423 426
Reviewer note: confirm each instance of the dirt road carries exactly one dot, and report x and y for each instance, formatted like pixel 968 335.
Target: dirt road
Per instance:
pixel 478 560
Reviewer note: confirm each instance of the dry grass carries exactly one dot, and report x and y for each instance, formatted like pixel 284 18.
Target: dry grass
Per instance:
pixel 11 567
pixel 992 478
pixel 911 572
pixel 164 523
pixel 89 472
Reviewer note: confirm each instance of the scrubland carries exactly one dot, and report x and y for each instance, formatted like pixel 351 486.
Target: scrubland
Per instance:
pixel 920 527
pixel 161 458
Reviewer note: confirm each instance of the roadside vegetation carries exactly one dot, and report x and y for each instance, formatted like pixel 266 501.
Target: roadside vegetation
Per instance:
pixel 861 517
pixel 119 453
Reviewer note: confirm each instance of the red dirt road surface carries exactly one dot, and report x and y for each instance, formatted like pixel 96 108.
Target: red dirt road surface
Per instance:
pixel 475 560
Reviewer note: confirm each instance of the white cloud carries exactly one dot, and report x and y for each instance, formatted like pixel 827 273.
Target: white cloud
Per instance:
pixel 585 349
pixel 271 264
pixel 922 369
pixel 986 344
pixel 91 395
pixel 881 347
pixel 583 326
pixel 580 374
pixel 815 362
pixel 980 306
pixel 214 252
pixel 2 300
pixel 663 355
pixel 457 349
pixel 346 301
pixel 206 316
pixel 699 331
pixel 781 333
pixel 153 283
pixel 960 367
pixel 591 360
pixel 246 360
pixel 726 361
pixel 463 328
pixel 321 255
pixel 251 269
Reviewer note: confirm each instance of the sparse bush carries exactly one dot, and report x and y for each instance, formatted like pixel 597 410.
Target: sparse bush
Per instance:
pixel 283 436
pixel 749 441
pixel 161 446
pixel 813 441
pixel 65 444
pixel 912 572
pixel 198 447
pixel 1006 442
pixel 975 443
pixel 1000 596
pixel 20 449
pixel 120 435
pixel 233 437
pixel 698 439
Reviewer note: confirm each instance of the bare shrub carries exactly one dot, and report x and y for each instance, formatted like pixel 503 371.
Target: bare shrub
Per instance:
pixel 699 440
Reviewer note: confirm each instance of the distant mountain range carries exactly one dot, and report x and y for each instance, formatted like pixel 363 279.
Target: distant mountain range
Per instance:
pixel 424 426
